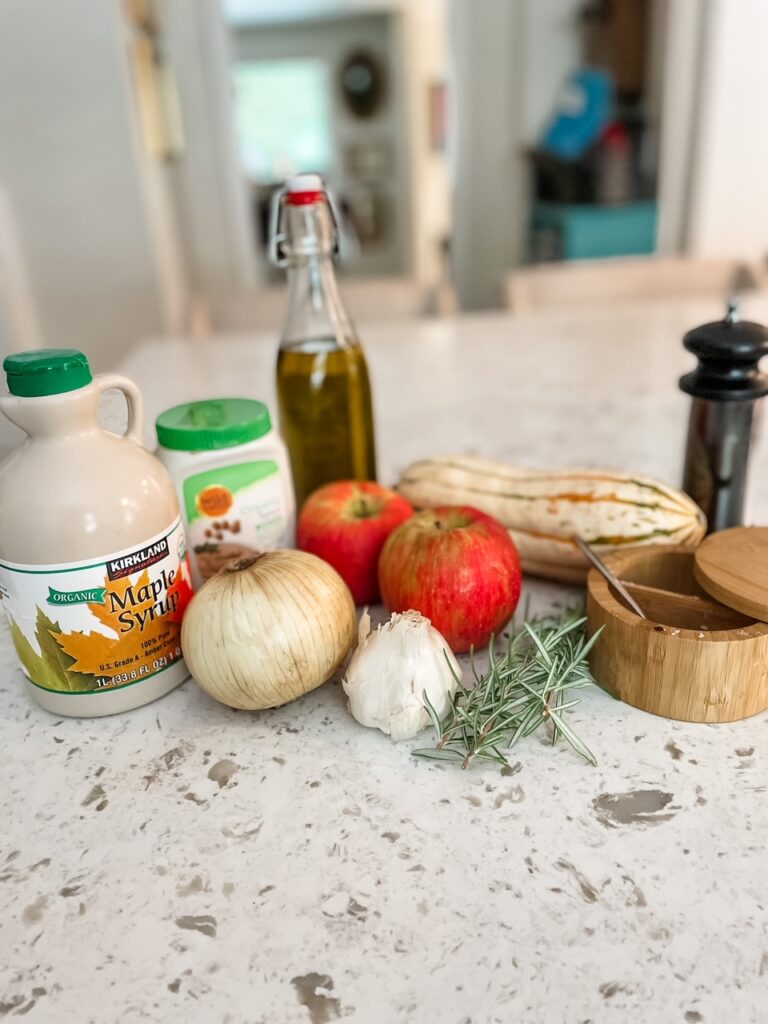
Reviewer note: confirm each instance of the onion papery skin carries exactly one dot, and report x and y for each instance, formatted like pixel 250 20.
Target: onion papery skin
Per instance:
pixel 266 630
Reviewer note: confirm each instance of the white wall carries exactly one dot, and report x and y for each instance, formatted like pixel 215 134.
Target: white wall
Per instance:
pixel 426 50
pixel 214 211
pixel 679 26
pixel 69 165
pixel 552 51
pixel 728 211
pixel 19 325
pixel 510 62
pixel 489 182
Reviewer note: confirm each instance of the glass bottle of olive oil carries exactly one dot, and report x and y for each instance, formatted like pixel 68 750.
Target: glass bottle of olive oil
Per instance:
pixel 323 390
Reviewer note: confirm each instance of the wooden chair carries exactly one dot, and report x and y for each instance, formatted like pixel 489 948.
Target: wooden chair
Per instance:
pixel 623 280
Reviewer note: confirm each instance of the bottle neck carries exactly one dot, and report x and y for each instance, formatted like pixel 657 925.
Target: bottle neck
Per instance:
pixel 315 307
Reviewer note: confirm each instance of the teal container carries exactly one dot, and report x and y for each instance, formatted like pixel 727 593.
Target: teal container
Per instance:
pixel 568 231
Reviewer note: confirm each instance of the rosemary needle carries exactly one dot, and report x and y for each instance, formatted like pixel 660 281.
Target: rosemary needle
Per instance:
pixel 526 687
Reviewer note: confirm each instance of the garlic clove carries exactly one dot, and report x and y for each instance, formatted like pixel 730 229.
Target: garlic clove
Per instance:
pixel 364 628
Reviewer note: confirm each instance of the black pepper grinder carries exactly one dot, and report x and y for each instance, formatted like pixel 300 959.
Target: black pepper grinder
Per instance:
pixel 725 387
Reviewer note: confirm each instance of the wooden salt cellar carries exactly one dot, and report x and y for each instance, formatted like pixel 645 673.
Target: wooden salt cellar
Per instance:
pixel 693 658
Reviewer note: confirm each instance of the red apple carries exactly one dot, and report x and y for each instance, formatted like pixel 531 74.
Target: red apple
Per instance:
pixel 457 566
pixel 346 524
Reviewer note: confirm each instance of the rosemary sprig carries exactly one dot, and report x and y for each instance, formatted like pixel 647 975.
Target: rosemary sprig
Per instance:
pixel 523 689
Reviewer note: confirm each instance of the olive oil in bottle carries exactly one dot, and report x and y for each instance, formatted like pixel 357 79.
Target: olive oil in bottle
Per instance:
pixel 323 390
pixel 324 401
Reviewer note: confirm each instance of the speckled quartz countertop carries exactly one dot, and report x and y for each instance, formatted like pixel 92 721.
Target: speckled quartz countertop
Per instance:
pixel 191 863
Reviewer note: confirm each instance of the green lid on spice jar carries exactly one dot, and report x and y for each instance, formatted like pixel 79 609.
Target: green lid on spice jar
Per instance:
pixel 214 423
pixel 46 371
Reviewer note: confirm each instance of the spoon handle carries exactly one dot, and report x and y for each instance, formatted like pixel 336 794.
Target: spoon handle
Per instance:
pixel 616 583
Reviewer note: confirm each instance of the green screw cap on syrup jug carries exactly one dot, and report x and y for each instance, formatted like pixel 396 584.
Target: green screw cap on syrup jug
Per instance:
pixel 93 567
pixel 46 371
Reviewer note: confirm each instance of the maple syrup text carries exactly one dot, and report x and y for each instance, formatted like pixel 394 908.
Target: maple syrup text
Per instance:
pixel 133 608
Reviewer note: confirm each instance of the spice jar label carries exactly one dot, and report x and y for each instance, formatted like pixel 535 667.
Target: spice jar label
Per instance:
pixel 92 626
pixel 234 511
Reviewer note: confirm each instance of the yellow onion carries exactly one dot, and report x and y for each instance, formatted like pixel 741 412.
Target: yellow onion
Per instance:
pixel 267 629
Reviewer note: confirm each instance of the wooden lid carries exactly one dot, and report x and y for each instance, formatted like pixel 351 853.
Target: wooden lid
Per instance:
pixel 732 566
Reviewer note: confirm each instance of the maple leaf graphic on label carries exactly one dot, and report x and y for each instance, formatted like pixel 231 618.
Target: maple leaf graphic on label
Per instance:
pixel 117 597
pixel 145 621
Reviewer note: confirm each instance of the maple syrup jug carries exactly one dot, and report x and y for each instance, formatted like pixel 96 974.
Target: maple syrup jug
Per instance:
pixel 93 570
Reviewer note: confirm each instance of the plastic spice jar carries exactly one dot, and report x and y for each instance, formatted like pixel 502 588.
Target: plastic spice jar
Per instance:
pixel 233 479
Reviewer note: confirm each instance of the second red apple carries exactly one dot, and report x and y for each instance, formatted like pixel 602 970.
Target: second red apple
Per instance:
pixel 457 566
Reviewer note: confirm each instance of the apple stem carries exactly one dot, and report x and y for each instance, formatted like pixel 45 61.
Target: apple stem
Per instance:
pixel 363 509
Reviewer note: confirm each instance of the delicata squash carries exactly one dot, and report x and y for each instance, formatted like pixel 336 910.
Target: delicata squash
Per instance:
pixel 544 509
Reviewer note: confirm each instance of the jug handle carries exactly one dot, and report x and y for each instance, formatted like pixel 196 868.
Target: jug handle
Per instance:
pixel 113 382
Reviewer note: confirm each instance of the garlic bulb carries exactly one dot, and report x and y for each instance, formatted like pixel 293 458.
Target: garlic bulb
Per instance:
pixel 391 670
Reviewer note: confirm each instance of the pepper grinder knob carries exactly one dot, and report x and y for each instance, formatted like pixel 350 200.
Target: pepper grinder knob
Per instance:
pixel 728 351
pixel 725 387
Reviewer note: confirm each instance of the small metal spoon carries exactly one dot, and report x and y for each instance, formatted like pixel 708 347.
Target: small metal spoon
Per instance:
pixel 616 583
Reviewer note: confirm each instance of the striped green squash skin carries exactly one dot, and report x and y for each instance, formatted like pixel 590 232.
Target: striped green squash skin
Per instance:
pixel 544 509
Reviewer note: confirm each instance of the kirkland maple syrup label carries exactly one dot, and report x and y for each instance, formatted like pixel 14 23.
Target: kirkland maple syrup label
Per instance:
pixel 91 626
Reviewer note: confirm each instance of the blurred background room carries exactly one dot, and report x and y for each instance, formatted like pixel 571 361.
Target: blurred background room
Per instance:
pixel 504 153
